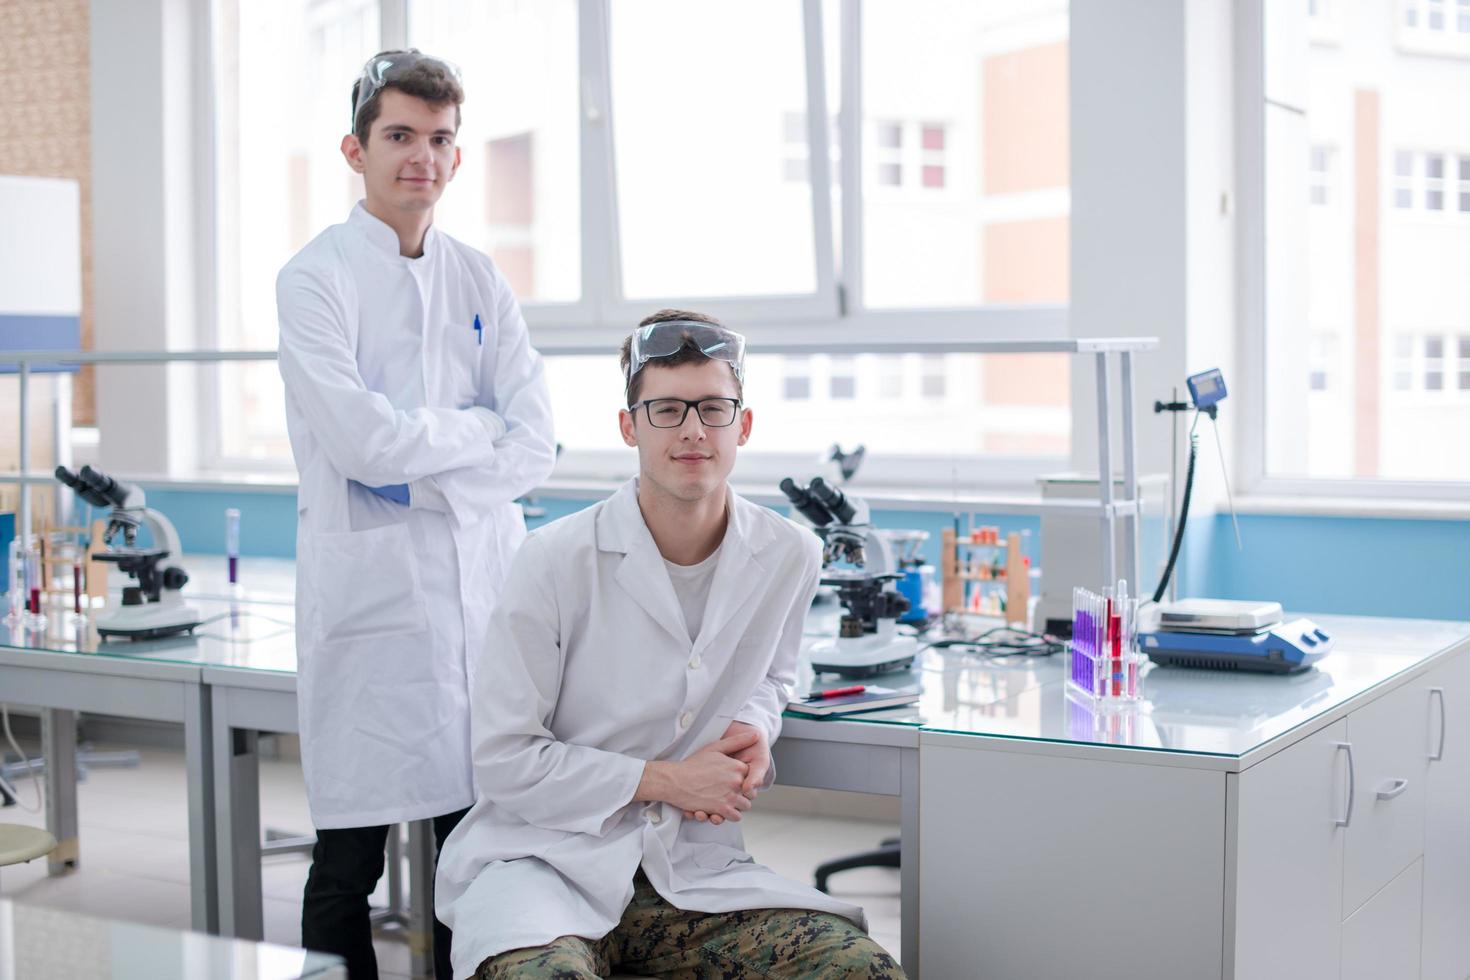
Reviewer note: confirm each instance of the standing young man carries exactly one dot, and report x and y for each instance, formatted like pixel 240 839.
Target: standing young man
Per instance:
pixel 418 413
pixel 633 680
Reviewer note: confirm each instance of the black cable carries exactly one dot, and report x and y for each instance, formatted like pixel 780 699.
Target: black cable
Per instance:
pixel 1183 513
pixel 1012 643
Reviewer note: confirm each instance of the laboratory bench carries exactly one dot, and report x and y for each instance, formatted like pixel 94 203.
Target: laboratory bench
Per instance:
pixel 50 942
pixel 1225 825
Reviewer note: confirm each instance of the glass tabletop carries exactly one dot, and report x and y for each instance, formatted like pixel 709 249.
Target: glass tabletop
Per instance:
pixel 1200 712
pixel 249 625
pixel 47 942
pixel 1182 710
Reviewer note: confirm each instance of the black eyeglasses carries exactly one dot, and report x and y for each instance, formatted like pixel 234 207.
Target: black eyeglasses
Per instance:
pixel 670 413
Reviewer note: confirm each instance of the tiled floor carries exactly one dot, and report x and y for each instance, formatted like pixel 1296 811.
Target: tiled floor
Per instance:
pixel 135 860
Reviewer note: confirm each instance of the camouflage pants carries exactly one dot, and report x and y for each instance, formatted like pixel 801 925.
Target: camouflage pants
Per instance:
pixel 656 939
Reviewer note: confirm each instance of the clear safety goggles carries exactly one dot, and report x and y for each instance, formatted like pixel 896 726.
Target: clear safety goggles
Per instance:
pixel 665 338
pixel 382 69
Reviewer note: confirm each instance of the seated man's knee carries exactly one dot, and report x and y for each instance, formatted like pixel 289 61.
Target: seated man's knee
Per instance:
pixel 863 959
pixel 567 958
pixel 836 948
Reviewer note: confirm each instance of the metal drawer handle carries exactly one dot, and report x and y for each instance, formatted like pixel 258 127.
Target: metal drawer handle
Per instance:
pixel 1439 752
pixel 1347 817
pixel 1395 788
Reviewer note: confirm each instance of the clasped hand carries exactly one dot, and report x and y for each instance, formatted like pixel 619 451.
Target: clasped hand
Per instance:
pixel 745 745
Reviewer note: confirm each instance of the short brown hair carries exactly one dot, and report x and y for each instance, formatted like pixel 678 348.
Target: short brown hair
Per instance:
pixel 688 352
pixel 425 80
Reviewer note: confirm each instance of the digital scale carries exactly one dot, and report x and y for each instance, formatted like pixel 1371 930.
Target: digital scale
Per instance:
pixel 1223 634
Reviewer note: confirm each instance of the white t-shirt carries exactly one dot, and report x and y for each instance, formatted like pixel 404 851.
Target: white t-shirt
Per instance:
pixel 691 585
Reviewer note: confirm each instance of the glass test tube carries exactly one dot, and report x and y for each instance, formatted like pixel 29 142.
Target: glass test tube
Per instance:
pixel 34 571
pixel 232 543
pixel 17 593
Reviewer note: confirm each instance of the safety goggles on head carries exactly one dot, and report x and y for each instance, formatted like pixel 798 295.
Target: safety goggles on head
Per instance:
pixel 384 68
pixel 665 338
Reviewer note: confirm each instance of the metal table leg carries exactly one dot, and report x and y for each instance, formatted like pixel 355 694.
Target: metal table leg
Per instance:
pixel 909 863
pixel 421 898
pixel 237 825
pixel 59 749
pixel 199 769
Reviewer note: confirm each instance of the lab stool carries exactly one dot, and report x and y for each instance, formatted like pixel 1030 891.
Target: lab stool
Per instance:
pixel 886 856
pixel 19 843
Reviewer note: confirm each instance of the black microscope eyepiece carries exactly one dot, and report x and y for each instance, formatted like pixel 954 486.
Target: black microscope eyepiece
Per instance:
pixel 104 486
pixel 804 502
pixel 834 500
pixel 84 489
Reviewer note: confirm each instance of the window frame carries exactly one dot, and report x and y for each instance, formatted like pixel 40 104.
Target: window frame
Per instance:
pixel 831 320
pixel 1253 99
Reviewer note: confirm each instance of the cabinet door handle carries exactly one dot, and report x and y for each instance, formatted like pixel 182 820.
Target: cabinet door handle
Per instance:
pixel 1439 752
pixel 1347 817
pixel 1395 788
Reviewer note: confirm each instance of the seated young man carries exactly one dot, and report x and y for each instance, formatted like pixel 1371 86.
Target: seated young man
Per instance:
pixel 623 707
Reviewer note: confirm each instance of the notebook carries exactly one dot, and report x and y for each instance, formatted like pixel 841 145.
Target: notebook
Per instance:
pixel 872 699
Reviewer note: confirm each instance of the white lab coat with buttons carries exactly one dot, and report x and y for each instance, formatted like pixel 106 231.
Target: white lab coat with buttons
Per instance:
pixel 388 381
pixel 586 672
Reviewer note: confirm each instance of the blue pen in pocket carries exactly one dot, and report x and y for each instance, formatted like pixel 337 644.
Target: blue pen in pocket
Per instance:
pixel 479 331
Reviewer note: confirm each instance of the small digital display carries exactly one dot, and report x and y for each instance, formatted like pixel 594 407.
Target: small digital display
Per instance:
pixel 1207 387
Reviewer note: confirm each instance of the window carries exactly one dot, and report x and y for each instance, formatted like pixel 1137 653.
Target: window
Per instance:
pixel 1324 352
pixel 959 199
pixel 794 164
pixel 796 385
pixel 1403 179
pixel 934 378
pixel 888 154
pixel 730 179
pixel 1365 244
pixel 931 143
pixel 1434 182
pixel 1403 362
pixel 842 379
pixel 515 196
pixel 1320 183
pixel 1434 26
pixel 1433 363
pixel 1431 181
pixel 970 182
pixel 282 92
pixel 891 377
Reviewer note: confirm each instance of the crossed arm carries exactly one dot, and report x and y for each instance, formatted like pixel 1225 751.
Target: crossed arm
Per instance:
pixel 454 460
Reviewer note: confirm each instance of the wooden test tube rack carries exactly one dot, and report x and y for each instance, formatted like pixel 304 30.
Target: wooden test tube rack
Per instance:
pixel 1017 578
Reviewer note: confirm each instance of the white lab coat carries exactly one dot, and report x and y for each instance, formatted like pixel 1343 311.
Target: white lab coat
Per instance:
pixel 383 369
pixel 586 672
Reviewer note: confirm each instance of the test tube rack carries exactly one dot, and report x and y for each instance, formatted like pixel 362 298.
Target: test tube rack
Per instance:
pixel 55 565
pixel 976 558
pixel 1103 661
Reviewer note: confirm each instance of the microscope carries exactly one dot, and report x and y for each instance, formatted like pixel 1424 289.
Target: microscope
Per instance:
pixel 859 563
pixel 154 607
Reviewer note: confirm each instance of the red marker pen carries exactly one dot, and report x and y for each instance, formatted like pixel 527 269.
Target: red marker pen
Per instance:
pixel 836 692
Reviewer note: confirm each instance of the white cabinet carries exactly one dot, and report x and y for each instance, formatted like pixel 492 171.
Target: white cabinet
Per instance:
pixel 1037 867
pixel 1381 889
pixel 1342 855
pixel 1381 940
pixel 1446 691
pixel 1323 889
pixel 1288 885
pixel 1390 769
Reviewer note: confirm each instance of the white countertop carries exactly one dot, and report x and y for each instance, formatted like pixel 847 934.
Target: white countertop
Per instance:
pixel 247 638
